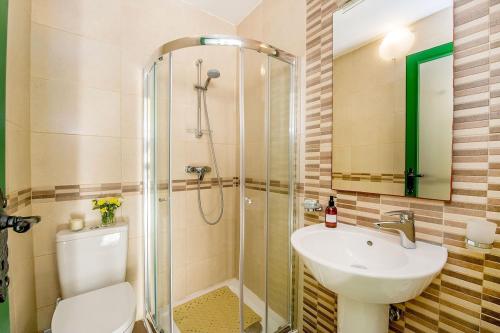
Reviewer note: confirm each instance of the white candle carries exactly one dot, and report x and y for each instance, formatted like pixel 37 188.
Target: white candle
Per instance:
pixel 481 232
pixel 76 224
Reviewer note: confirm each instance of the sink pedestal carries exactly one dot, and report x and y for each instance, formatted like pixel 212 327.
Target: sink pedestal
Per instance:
pixel 356 317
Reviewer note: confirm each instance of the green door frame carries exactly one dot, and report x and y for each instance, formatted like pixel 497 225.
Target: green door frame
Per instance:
pixel 413 62
pixel 4 12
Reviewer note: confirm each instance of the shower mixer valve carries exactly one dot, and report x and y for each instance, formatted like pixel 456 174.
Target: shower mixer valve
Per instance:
pixel 200 171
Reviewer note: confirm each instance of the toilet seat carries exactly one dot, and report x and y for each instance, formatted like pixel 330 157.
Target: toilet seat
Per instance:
pixel 106 310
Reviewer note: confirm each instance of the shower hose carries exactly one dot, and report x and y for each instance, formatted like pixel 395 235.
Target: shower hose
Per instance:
pixel 219 179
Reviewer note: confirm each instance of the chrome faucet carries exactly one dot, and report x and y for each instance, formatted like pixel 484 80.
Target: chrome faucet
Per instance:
pixel 405 227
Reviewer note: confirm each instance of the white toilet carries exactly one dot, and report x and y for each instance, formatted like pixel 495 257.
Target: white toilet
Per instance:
pixel 91 265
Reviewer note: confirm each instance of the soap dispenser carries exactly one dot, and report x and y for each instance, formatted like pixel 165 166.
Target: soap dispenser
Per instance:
pixel 331 214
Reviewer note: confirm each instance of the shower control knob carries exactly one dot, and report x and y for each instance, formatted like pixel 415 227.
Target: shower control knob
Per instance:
pixel 248 201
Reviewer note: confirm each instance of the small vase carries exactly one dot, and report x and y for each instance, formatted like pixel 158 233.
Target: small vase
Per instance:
pixel 108 219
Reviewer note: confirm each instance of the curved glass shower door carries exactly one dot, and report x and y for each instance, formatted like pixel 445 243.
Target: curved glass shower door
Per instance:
pixel 268 157
pixel 234 99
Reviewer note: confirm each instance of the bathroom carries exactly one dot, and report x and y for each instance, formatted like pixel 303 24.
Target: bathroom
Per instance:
pixel 262 99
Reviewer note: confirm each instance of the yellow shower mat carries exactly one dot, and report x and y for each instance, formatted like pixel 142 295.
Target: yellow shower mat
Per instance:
pixel 213 312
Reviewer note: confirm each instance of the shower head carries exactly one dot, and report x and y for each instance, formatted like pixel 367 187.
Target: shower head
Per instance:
pixel 211 74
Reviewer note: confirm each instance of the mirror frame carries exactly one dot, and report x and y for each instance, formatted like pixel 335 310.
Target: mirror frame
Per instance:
pixel 413 62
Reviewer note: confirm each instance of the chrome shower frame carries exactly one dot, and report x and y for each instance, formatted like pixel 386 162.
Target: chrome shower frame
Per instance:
pixel 165 52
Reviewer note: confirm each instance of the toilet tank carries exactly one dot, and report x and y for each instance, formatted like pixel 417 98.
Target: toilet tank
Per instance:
pixel 91 259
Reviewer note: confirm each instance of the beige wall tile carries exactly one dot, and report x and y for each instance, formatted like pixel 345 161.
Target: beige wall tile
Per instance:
pixel 138 286
pixel 69 159
pixel 47 280
pixel 57 54
pixel 44 316
pixel 22 295
pixel 268 24
pixel 131 160
pixel 131 116
pixel 17 154
pixel 131 213
pixel 92 19
pixel 60 106
pixel 56 216
pixel 134 259
pixel 18 63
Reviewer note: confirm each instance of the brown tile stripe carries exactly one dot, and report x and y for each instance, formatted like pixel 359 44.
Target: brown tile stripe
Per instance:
pixel 18 200
pixel 179 185
pixel 466 295
pixel 82 192
pixel 368 177
pixel 275 186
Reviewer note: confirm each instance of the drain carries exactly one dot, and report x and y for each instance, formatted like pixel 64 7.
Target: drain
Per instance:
pixel 369 243
pixel 359 266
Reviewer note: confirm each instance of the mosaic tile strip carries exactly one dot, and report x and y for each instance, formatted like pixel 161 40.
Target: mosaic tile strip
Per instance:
pixel 82 192
pixel 18 200
pixel 466 295
pixel 179 185
pixel 275 186
pixel 367 177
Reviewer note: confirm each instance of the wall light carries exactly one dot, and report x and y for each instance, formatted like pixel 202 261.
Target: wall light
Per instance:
pixel 396 44
pixel 221 41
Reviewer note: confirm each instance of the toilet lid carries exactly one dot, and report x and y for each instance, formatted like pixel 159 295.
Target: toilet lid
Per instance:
pixel 106 310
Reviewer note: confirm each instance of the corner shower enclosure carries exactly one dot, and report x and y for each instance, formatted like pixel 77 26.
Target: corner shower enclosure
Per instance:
pixel 235 275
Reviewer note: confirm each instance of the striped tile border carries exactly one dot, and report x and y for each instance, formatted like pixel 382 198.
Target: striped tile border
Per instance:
pixel 275 186
pixel 82 192
pixel 18 200
pixel 367 177
pixel 192 184
pixel 466 295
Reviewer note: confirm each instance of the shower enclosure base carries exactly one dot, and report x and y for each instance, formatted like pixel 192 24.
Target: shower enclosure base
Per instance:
pixel 252 300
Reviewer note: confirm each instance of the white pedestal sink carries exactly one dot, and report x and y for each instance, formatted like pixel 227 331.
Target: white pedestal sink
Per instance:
pixel 368 270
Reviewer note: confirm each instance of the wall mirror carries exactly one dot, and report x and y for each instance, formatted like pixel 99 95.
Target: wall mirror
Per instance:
pixel 393 97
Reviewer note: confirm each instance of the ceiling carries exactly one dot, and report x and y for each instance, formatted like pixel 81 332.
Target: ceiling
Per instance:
pixel 233 11
pixel 370 19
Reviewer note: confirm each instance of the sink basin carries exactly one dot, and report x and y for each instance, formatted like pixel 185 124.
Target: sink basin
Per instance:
pixel 368 270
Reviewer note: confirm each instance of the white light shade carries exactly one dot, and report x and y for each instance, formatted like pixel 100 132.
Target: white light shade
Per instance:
pixel 396 44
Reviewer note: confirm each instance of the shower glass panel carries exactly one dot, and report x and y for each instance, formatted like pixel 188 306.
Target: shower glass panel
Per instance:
pixel 241 261
pixel 156 195
pixel 163 228
pixel 255 161
pixel 280 207
pixel 150 208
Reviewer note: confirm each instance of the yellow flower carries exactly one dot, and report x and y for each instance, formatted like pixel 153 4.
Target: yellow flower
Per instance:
pixel 104 210
pixel 101 202
pixel 114 201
